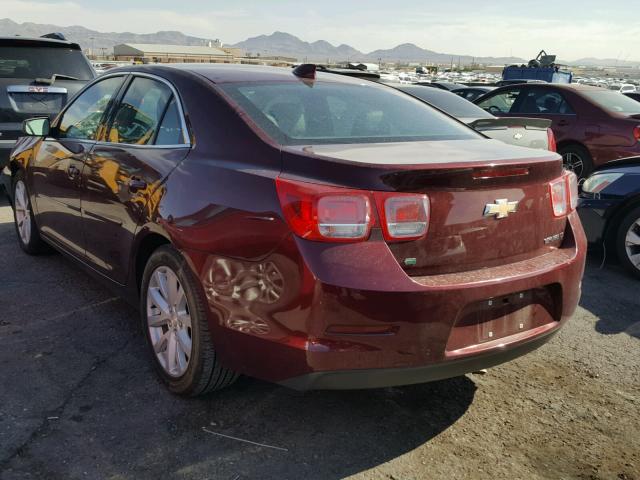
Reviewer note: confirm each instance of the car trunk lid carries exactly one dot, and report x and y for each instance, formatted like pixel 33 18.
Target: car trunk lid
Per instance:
pixel 463 180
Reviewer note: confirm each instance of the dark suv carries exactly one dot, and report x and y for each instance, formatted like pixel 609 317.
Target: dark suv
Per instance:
pixel 37 77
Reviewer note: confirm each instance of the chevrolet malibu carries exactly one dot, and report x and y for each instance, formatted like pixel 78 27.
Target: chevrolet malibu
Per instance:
pixel 309 229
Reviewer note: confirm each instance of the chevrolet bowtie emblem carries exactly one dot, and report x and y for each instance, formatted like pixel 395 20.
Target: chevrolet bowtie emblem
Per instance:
pixel 501 209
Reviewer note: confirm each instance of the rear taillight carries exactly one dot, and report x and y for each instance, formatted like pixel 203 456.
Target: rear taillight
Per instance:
pixel 636 133
pixel 403 216
pixel 552 140
pixel 325 213
pixel 334 214
pixel 564 194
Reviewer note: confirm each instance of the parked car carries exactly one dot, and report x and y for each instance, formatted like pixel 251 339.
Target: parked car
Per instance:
pixel 471 93
pixel 304 228
pixel 634 95
pixel 609 207
pixel 523 132
pixel 37 77
pixel 441 85
pixel 592 125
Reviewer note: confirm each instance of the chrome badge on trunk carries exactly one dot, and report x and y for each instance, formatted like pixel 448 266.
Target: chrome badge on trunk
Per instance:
pixel 501 209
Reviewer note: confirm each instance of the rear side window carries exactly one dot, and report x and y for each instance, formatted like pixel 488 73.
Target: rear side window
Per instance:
pixel 43 62
pixel 138 117
pixel 170 132
pixel 297 113
pixel 543 101
pixel 613 101
pixel 82 119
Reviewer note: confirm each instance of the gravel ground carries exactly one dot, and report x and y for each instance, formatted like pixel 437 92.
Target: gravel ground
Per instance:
pixel 78 399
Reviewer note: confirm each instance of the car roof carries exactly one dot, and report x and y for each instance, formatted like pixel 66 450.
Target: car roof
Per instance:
pixel 37 42
pixel 234 73
pixel 562 86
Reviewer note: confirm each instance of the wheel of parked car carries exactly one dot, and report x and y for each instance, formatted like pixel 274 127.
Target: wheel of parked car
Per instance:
pixel 577 159
pixel 628 241
pixel 176 327
pixel 26 228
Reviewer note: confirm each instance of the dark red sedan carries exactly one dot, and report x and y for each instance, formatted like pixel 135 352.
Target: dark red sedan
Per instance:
pixel 318 231
pixel 592 125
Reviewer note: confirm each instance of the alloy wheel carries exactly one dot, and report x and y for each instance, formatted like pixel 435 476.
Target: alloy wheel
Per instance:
pixel 23 213
pixel 573 162
pixel 632 243
pixel 169 321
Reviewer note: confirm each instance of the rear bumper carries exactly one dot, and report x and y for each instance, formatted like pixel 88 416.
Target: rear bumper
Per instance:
pixel 348 318
pixel 389 377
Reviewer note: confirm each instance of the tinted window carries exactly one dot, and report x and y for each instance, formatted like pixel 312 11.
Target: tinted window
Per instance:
pixel 170 132
pixel 501 102
pixel 447 101
pixel 140 112
pixel 298 113
pixel 43 62
pixel 82 118
pixel 542 101
pixel 613 101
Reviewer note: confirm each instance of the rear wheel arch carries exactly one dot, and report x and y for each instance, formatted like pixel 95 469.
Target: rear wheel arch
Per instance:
pixel 146 246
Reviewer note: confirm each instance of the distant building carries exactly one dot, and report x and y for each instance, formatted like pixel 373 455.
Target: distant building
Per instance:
pixel 152 53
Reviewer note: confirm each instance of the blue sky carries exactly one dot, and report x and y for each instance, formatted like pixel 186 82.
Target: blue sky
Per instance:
pixel 569 28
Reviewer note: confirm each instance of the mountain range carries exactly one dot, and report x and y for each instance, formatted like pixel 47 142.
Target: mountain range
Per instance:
pixel 278 43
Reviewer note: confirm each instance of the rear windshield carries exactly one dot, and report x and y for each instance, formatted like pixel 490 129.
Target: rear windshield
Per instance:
pixel 451 103
pixel 614 101
pixel 43 62
pixel 304 113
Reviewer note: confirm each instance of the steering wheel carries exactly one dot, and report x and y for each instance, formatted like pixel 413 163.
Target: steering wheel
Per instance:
pixel 494 110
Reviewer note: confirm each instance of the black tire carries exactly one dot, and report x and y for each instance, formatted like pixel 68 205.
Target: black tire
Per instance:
pixel 630 223
pixel 577 159
pixel 30 242
pixel 204 372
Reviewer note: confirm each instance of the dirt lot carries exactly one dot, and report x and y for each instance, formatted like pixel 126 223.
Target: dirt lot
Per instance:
pixel 78 400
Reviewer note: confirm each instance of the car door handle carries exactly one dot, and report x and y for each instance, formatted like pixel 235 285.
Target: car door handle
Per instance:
pixel 137 184
pixel 73 172
pixel 563 123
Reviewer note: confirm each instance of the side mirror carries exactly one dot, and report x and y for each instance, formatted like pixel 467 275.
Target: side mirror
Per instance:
pixel 36 127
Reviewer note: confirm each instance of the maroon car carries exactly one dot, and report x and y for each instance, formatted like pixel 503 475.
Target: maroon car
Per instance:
pixel 592 125
pixel 315 231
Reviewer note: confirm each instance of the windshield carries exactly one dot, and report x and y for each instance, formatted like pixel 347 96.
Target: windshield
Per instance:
pixel 451 103
pixel 614 101
pixel 43 62
pixel 304 113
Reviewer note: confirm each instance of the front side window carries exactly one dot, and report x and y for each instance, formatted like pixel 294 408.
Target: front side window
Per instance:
pixel 501 102
pixel 82 119
pixel 543 101
pixel 140 113
pixel 296 113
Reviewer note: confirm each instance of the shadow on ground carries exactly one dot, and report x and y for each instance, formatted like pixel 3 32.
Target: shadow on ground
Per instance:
pixel 620 312
pixel 79 399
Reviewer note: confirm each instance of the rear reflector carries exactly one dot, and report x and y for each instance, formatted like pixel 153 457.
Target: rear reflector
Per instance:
pixel 636 133
pixel 552 140
pixel 572 180
pixel 405 216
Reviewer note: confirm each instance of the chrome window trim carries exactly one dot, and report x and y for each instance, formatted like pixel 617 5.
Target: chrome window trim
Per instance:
pixel 185 132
